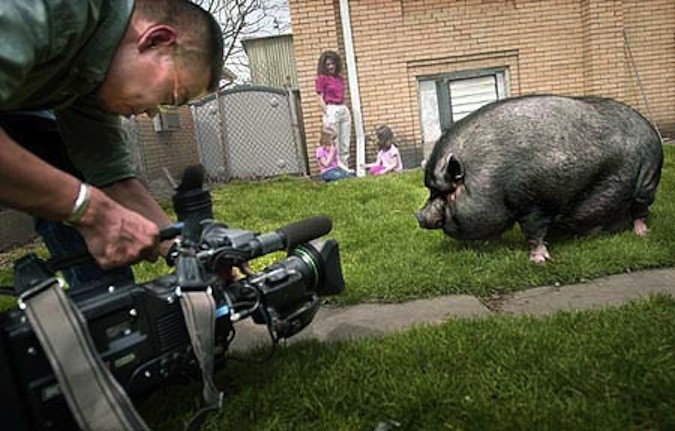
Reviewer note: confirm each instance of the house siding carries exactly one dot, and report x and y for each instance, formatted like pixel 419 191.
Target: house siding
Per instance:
pixel 570 47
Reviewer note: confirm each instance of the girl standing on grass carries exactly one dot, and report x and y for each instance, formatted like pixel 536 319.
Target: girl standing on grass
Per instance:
pixel 388 156
pixel 330 89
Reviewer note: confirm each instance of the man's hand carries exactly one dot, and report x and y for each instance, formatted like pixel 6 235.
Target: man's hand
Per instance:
pixel 133 194
pixel 115 235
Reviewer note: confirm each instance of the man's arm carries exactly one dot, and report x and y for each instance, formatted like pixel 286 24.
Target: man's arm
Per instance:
pixel 29 184
pixel 114 234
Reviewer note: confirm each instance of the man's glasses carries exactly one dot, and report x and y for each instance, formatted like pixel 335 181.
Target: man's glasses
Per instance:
pixel 176 99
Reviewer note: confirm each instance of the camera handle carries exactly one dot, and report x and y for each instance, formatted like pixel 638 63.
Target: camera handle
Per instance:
pixel 58 263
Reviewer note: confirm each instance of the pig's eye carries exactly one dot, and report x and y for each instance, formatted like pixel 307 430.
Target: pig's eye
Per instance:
pixel 450 196
pixel 447 196
pixel 436 194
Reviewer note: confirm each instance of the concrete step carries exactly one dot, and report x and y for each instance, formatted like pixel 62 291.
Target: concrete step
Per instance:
pixel 372 320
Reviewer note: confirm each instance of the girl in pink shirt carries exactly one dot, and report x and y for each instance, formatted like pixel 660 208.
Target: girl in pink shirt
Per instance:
pixel 388 156
pixel 330 166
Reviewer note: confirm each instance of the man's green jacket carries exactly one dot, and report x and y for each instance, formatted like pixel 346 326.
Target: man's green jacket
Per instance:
pixel 53 55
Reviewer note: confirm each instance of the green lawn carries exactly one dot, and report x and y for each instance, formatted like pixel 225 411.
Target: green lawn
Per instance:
pixel 594 370
pixel 386 257
pixel 611 369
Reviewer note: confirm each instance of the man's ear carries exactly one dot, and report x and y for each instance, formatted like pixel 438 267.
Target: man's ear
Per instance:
pixel 157 36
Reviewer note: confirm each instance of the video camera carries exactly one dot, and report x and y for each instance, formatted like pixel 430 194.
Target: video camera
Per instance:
pixel 139 330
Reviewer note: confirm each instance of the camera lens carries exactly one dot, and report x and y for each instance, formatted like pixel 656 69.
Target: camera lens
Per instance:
pixel 322 265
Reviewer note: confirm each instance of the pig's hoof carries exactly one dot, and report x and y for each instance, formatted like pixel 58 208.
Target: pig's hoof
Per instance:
pixel 539 255
pixel 538 259
pixel 640 227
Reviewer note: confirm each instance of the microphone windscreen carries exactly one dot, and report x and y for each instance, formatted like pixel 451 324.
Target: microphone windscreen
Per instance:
pixel 193 178
pixel 305 230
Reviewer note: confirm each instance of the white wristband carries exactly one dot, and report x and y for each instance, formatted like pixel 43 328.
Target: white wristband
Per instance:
pixel 81 205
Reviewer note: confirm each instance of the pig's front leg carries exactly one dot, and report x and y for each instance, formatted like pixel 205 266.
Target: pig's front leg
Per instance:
pixel 640 227
pixel 538 252
pixel 535 225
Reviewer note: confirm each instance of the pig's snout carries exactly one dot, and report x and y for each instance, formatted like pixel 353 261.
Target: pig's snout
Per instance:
pixel 431 216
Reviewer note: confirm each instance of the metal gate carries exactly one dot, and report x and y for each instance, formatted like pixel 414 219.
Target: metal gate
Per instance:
pixel 250 132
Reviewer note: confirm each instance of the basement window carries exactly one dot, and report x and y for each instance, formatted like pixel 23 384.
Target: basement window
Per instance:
pixel 446 99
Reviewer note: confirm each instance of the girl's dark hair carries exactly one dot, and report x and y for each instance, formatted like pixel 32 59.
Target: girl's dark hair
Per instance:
pixel 385 136
pixel 321 67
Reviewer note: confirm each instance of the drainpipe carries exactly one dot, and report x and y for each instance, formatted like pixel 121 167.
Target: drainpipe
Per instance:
pixel 354 93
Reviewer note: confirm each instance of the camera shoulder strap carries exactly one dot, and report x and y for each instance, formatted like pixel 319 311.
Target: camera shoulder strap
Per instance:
pixel 96 399
pixel 199 311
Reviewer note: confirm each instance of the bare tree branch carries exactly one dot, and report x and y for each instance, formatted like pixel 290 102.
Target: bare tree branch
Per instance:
pixel 240 19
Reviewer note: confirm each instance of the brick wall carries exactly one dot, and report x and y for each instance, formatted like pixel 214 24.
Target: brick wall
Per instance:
pixel 316 27
pixel 603 59
pixel 650 35
pixel 571 47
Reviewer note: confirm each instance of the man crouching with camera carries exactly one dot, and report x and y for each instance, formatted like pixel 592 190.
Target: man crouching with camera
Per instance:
pixel 68 70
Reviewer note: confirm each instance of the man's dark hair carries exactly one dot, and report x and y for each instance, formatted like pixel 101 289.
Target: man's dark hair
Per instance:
pixel 201 38
pixel 216 47
pixel 321 67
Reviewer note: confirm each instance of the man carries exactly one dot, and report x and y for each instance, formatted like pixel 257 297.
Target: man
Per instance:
pixel 90 61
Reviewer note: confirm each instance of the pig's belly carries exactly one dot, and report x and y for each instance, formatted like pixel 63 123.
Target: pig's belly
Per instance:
pixel 477 226
pixel 595 220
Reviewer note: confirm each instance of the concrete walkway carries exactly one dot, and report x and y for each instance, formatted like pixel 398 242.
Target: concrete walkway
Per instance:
pixel 366 320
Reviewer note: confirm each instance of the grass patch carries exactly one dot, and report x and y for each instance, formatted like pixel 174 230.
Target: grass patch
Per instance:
pixel 610 369
pixel 386 257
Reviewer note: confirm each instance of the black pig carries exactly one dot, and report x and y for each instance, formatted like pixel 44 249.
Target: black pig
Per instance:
pixel 583 165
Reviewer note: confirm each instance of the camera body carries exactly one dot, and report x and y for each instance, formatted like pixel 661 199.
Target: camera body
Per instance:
pixel 140 333
pixel 139 330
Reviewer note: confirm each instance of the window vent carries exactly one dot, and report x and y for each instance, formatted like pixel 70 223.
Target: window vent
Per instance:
pixel 166 120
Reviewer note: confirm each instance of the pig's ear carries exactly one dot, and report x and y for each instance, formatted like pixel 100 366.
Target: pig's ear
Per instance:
pixel 454 171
